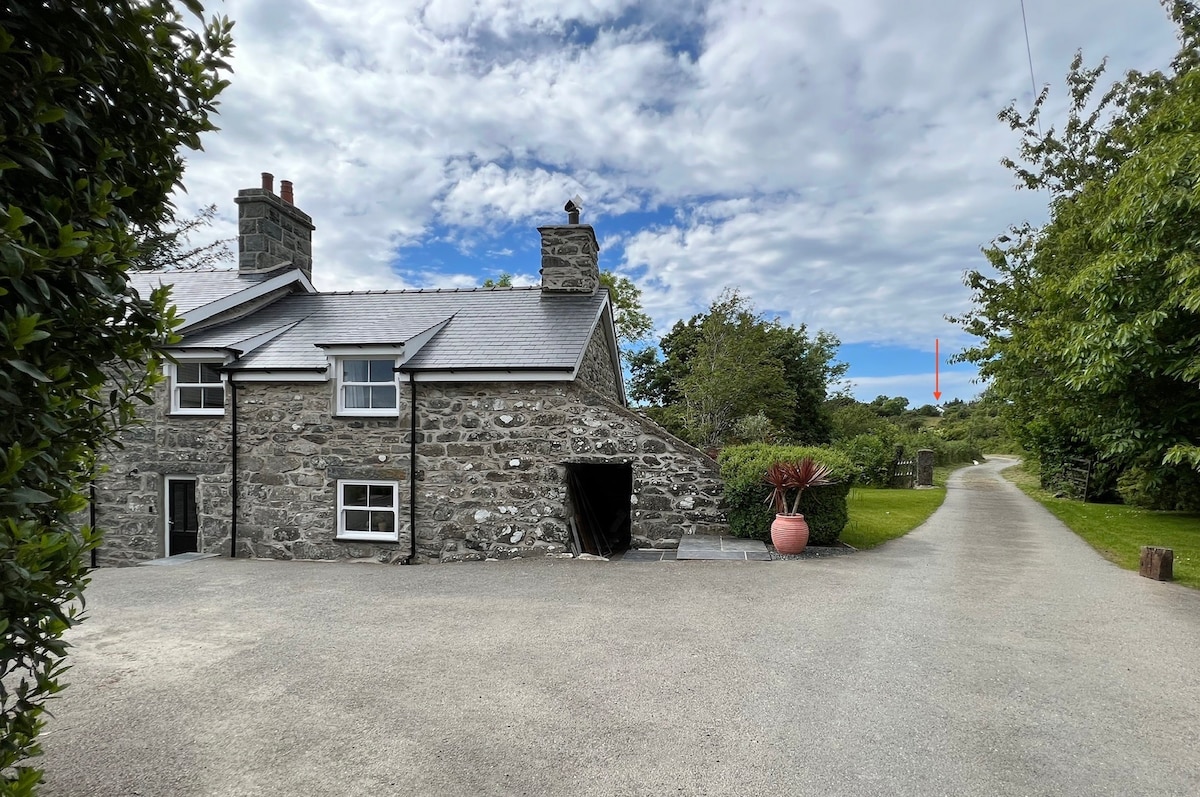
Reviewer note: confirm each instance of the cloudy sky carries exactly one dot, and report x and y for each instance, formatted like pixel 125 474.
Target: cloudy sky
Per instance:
pixel 836 161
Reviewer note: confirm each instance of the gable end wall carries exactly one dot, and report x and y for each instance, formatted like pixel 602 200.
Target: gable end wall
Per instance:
pixel 596 369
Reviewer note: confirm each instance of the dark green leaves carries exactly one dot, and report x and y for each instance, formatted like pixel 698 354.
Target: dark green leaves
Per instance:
pixel 99 98
pixel 731 364
pixel 1089 325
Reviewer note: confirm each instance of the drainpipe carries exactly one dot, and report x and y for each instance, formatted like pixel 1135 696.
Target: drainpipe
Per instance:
pixel 233 465
pixel 92 516
pixel 412 469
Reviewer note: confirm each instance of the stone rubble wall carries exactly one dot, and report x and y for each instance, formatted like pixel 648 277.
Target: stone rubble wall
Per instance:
pixel 491 473
pixel 130 499
pixel 293 451
pixel 492 476
pixel 271 232
pixel 597 371
pixel 570 257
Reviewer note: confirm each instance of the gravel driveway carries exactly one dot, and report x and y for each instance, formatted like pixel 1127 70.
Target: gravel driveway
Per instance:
pixel 988 653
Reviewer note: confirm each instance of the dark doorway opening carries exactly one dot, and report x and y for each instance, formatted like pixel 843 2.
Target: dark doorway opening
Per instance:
pixel 183 517
pixel 600 493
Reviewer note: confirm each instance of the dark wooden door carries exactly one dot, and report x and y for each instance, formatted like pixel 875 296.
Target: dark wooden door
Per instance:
pixel 183 524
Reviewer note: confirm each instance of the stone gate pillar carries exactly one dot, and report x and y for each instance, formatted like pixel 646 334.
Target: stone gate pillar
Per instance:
pixel 925 468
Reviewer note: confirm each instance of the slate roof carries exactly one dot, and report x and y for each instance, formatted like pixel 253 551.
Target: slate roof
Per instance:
pixel 193 289
pixel 485 328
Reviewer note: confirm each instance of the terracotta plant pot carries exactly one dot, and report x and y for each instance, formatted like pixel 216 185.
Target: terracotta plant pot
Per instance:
pixel 789 534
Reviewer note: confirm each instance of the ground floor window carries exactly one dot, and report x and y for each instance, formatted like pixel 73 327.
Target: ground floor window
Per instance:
pixel 368 510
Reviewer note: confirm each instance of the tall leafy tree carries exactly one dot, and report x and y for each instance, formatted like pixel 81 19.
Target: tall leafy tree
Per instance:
pixel 99 99
pixel 632 322
pixel 733 372
pixel 730 363
pixel 1090 324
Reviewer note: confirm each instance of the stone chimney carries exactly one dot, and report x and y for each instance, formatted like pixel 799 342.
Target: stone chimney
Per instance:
pixel 272 230
pixel 570 256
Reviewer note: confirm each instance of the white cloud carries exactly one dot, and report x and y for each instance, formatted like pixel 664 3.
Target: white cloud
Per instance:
pixel 839 161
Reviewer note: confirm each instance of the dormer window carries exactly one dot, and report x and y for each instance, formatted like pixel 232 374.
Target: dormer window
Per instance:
pixel 367 386
pixel 197 388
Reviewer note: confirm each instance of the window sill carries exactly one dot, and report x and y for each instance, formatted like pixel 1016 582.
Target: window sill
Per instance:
pixel 367 537
pixel 196 413
pixel 351 414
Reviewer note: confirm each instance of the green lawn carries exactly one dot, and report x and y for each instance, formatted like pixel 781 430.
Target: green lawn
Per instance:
pixel 1119 532
pixel 878 515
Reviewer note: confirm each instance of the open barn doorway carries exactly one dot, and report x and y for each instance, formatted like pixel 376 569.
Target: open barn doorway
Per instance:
pixel 600 497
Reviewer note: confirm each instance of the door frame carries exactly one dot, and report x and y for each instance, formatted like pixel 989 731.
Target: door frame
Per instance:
pixel 166 503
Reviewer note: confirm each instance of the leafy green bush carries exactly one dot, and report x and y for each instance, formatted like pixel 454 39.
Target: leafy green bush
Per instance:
pixel 1161 488
pixel 746 494
pixel 955 452
pixel 99 99
pixel 871 457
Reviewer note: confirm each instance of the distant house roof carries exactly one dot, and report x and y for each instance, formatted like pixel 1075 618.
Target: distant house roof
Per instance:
pixel 484 329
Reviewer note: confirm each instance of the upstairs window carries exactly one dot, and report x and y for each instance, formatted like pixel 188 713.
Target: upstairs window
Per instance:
pixel 367 387
pixel 197 388
pixel 367 511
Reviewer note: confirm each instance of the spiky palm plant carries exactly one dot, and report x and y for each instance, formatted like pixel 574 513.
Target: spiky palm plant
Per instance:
pixel 799 476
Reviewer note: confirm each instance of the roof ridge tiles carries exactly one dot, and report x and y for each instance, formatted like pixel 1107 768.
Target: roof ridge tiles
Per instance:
pixel 396 291
pixel 209 270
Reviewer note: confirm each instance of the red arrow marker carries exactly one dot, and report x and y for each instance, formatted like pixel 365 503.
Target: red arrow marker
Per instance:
pixel 937 358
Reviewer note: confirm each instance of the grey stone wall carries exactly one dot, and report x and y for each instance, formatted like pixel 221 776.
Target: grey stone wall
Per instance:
pixel 570 259
pixel 292 452
pixel 491 473
pixel 492 470
pixel 130 506
pixel 271 232
pixel 597 371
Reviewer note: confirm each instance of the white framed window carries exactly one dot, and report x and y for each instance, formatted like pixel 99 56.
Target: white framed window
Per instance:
pixel 197 388
pixel 368 510
pixel 367 386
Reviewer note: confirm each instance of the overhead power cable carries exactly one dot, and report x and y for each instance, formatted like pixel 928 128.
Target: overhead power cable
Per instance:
pixel 1028 51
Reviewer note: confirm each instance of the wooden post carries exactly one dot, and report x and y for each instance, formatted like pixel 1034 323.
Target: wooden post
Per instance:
pixel 1157 563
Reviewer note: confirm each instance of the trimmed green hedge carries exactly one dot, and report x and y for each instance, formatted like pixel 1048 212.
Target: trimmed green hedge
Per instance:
pixel 743 468
pixel 873 454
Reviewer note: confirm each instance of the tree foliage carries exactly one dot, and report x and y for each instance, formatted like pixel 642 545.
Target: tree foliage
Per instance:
pixel 503 280
pixel 170 246
pixel 1090 324
pixel 633 324
pixel 99 99
pixel 724 367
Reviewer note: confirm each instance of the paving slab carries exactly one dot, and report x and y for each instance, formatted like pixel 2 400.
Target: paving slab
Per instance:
pixel 179 559
pixel 989 653
pixel 705 546
pixel 645 555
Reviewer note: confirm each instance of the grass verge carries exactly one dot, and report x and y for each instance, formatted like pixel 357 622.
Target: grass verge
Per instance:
pixel 1119 532
pixel 878 514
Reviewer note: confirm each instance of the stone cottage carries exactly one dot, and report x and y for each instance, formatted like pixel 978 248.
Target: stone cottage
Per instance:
pixel 399 426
